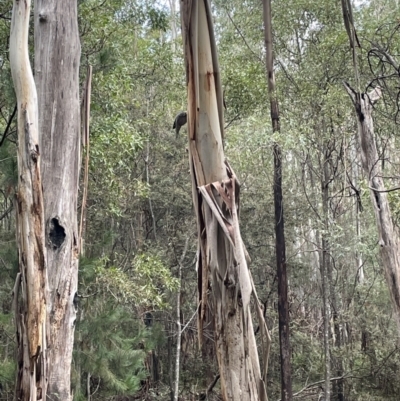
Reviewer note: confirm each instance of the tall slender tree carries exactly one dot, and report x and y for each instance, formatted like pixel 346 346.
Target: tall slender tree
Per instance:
pixel 222 263
pixel 325 267
pixel 31 283
pixel 280 246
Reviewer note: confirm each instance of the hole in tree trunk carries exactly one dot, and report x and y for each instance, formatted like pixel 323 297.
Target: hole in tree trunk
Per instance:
pixel 56 233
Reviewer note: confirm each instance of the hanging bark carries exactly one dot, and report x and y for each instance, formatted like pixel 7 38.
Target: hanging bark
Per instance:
pixel 57 57
pixel 389 241
pixel 222 263
pixel 283 303
pixel 31 283
pixel 85 114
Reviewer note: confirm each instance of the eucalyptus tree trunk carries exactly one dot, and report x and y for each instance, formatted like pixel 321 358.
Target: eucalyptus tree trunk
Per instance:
pixel 31 284
pixel 57 57
pixel 389 240
pixel 283 303
pixel 222 263
pixel 172 5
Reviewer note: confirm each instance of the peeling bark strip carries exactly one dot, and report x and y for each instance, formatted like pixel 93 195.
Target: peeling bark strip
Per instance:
pixel 388 236
pixel 57 57
pixel 31 284
pixel 222 266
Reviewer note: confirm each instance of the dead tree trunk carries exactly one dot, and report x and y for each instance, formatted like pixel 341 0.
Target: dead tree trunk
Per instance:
pixel 389 240
pixel 388 236
pixel 31 284
pixel 57 57
pixel 283 303
pixel 222 263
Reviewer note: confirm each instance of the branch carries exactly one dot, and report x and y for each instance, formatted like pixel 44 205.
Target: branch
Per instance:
pixel 384 190
pixel 237 117
pixel 203 396
pixel 350 91
pixel 388 57
pixel 212 384
pixel 6 212
pixel 2 16
pixel 317 384
pixel 8 125
pixel 243 38
pixel 187 324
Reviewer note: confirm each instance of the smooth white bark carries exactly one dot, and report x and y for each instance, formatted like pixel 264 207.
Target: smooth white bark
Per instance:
pixel 30 289
pixel 222 261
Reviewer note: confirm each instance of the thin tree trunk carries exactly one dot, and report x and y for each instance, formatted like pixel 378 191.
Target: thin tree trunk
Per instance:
pixel 178 322
pixel 172 4
pixel 222 264
pixel 30 290
pixel 337 362
pixel 358 210
pixel 325 262
pixel 88 390
pixel 283 304
pixel 146 161
pixel 330 303
pixel 57 57
pixel 171 366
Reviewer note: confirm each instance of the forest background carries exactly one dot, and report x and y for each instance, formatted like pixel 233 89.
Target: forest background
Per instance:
pixel 140 228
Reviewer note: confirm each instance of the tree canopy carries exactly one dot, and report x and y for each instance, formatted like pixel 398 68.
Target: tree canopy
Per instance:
pixel 140 235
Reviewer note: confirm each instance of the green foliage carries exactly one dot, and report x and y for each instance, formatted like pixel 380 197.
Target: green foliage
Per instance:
pixel 7 376
pixel 111 341
pixel 394 201
pixel 144 284
pixel 111 347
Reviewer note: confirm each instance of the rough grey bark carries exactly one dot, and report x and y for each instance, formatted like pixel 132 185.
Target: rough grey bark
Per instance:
pixel 31 283
pixel 222 262
pixel 280 247
pixel 57 57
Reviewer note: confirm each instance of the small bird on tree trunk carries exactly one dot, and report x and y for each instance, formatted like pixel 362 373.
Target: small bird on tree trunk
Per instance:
pixel 180 121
